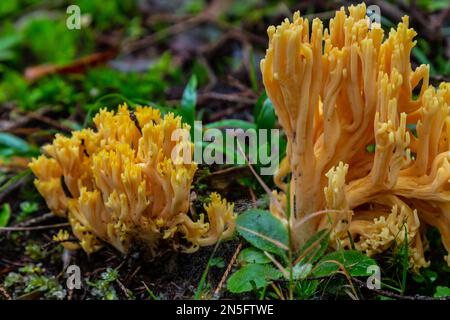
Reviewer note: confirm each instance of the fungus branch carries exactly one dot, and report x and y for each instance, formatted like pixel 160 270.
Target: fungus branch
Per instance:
pixel 337 90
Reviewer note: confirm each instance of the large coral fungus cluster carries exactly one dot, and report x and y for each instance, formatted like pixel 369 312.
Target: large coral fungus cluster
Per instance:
pixel 338 92
pixel 128 183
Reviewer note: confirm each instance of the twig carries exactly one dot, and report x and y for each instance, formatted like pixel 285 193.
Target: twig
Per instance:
pixel 227 271
pixel 124 290
pixel 51 226
pixel 5 293
pixel 47 120
pixel 36 72
pixel 230 97
pixel 128 278
pixel 39 219
pixel 390 294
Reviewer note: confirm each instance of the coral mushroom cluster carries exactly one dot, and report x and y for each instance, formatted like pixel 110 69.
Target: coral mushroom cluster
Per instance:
pixel 340 92
pixel 126 184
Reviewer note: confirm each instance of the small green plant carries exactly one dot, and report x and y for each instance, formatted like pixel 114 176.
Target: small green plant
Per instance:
pixel 35 251
pixel 271 261
pixel 27 208
pixel 442 292
pixel 31 280
pixel 103 288
pixel 217 262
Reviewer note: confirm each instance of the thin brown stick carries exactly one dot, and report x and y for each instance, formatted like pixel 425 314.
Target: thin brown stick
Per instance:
pixel 394 295
pixel 5 293
pixel 39 219
pixel 51 226
pixel 227 271
pixel 124 290
pixel 228 97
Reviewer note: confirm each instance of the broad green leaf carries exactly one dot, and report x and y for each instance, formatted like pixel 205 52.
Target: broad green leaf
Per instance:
pixel 442 292
pixel 264 231
pixel 5 215
pixel 252 255
pixel 188 102
pixel 252 276
pixel 315 247
pixel 356 263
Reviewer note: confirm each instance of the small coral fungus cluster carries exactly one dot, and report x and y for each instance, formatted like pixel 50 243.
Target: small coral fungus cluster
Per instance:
pixel 126 184
pixel 337 91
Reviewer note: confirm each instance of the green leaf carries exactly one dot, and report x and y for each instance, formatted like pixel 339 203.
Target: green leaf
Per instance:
pixel 264 231
pixel 442 292
pixel 13 142
pixel 306 288
pixel 5 215
pixel 29 207
pixel 252 276
pixel 258 106
pixel 320 241
pixel 371 148
pixel 356 263
pixel 6 44
pixel 188 102
pixel 217 262
pixel 266 118
pixel 431 275
pixel 252 255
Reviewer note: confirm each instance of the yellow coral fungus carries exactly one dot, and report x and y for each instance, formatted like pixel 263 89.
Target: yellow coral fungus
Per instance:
pixel 338 90
pixel 126 184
